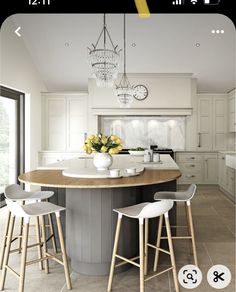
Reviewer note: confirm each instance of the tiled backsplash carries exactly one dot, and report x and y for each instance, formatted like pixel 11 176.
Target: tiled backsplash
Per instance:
pixel 141 131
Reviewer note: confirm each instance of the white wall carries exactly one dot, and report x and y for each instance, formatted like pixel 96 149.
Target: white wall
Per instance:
pixel 18 72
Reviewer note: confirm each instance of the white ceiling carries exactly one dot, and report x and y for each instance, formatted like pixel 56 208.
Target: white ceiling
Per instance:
pixel 164 44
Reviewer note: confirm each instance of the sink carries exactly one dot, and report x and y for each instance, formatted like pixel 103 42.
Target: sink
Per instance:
pixel 230 160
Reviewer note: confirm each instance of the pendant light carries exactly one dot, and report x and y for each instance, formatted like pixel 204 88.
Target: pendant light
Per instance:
pixel 104 60
pixel 124 90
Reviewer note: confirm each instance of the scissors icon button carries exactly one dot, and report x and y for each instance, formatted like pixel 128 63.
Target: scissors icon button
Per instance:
pixel 219 276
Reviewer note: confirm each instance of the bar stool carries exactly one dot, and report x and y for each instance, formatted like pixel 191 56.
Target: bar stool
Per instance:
pixel 27 212
pixel 185 197
pixel 16 193
pixel 143 212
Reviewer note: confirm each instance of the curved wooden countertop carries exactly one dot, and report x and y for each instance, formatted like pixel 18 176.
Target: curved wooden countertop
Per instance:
pixel 54 178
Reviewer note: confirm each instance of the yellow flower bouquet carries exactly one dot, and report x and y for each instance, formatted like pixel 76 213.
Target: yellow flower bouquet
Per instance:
pixel 103 144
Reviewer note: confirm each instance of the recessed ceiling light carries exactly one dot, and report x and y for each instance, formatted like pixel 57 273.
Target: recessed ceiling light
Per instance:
pixel 217 31
pixel 213 31
pixel 222 31
pixel 197 45
pixel 67 44
pixel 133 45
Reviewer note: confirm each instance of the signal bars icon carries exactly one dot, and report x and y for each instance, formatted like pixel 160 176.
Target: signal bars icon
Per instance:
pixel 178 2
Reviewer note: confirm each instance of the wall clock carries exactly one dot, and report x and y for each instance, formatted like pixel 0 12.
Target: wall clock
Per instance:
pixel 141 92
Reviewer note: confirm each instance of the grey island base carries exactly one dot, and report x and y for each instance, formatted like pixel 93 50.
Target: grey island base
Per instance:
pixel 90 221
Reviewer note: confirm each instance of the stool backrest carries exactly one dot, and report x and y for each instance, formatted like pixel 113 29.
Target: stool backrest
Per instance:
pixel 15 208
pixel 190 192
pixel 156 209
pixel 15 192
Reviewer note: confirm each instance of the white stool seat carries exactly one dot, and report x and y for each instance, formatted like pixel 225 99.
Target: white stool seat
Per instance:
pixel 146 210
pixel 34 209
pixel 16 193
pixel 177 196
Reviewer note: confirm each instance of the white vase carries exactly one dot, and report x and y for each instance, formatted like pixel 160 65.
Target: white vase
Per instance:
pixel 102 161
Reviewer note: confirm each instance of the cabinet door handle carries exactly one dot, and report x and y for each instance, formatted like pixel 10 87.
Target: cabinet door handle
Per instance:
pixel 199 139
pixel 192 157
pixel 192 165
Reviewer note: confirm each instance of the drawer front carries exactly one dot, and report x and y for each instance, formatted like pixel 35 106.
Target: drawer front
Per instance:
pixel 190 178
pixel 188 157
pixel 190 167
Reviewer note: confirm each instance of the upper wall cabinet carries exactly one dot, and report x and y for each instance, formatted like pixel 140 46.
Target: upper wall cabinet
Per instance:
pixel 232 112
pixel 64 121
pixel 212 122
pixel 165 91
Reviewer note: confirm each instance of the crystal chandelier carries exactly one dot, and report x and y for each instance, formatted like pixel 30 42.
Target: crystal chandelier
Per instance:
pixel 124 90
pixel 104 61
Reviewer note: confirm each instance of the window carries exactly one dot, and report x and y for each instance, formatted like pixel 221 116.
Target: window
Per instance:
pixel 11 137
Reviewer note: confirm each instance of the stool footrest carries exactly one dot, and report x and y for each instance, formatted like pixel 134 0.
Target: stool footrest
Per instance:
pixel 158 248
pixel 178 237
pixel 176 226
pixel 50 237
pixel 12 271
pixel 54 257
pixel 158 274
pixel 127 260
pixel 124 262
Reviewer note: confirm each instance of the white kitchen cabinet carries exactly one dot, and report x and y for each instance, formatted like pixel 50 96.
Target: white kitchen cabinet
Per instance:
pixel 210 168
pixel 64 121
pixel 226 177
pixel 231 112
pixel 222 171
pixel 55 125
pixel 197 167
pixel 212 122
pixel 204 123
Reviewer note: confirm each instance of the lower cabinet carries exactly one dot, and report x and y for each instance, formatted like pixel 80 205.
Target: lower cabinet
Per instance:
pixel 226 177
pixel 197 167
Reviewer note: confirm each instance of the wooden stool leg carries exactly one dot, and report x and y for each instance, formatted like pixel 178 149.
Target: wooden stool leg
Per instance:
pixel 159 231
pixel 141 255
pixel 52 233
pixel 4 239
pixel 44 244
pixel 113 259
pixel 7 252
pixel 20 234
pixel 146 247
pixel 172 256
pixel 39 241
pixel 24 254
pixel 190 218
pixel 64 256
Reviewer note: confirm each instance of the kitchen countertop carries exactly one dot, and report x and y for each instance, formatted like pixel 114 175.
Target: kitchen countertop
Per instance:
pixel 51 175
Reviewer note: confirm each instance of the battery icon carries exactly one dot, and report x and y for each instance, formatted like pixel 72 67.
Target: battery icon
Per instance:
pixel 211 2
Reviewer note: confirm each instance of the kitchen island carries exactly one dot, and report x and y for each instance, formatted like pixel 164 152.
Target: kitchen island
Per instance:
pixel 90 221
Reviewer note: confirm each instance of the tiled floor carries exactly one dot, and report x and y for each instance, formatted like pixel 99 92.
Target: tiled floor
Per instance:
pixel 214 219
